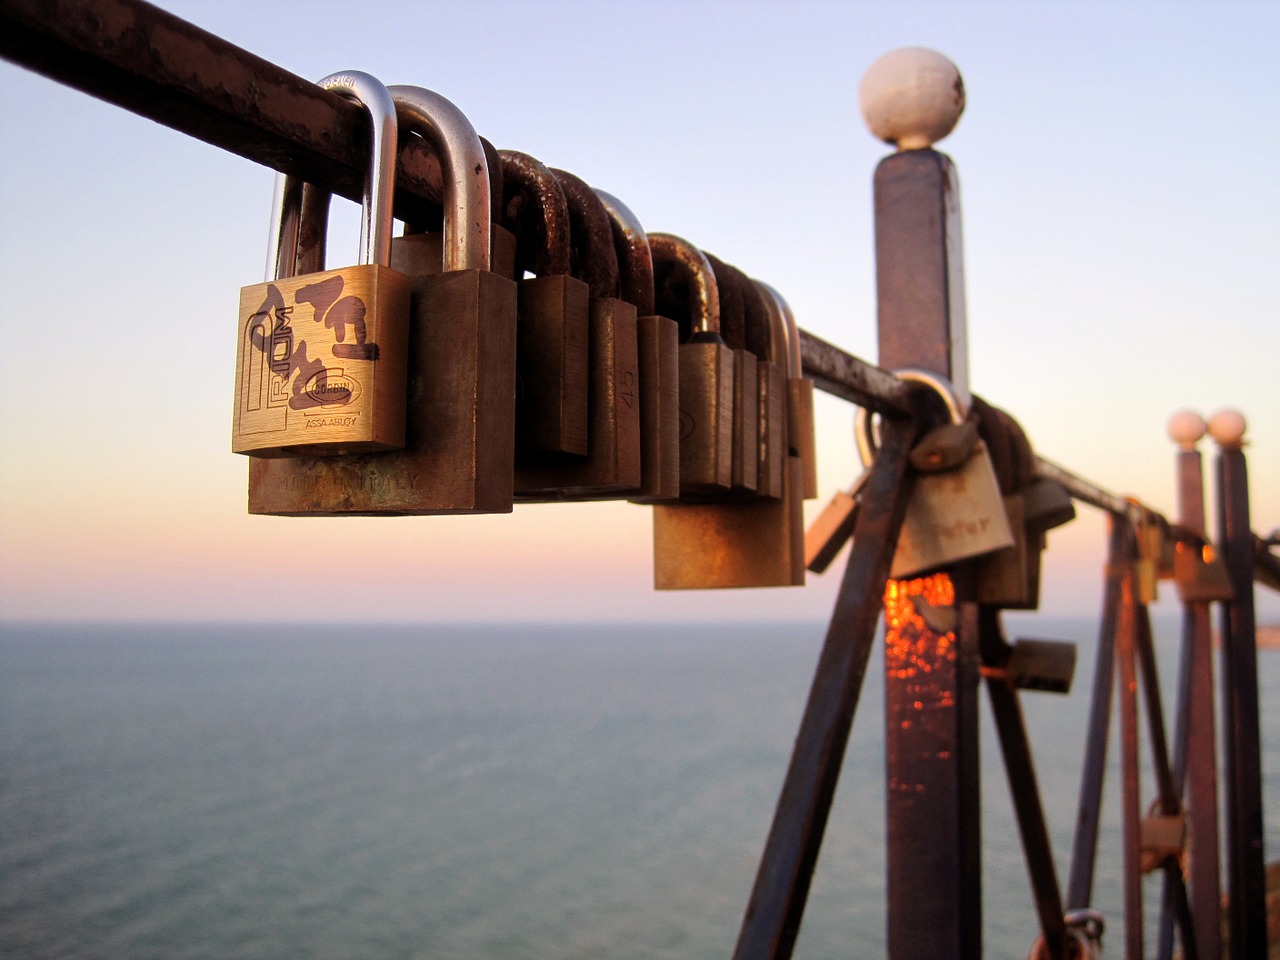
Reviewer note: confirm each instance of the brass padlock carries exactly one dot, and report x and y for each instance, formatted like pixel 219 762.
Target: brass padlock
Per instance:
pixel 658 353
pixel 951 515
pixel 730 283
pixel 1200 574
pixel 552 332
pixel 685 289
pixel 611 468
pixel 320 358
pixel 756 542
pixel 460 429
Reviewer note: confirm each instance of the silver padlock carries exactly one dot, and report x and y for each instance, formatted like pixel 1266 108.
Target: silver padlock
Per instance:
pixel 952 515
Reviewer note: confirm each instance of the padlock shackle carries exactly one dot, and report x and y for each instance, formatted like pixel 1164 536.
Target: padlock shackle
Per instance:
pixel 794 365
pixel 704 296
pixel 379 186
pixel 780 350
pixel 541 190
pixel 635 261
pixel 464 168
pixel 862 431
pixel 595 261
pixel 375 207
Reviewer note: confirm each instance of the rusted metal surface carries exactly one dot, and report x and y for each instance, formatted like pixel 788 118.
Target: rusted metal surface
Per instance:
pixel 1130 799
pixel 1024 788
pixel 1084 849
pixel 1082 489
pixel 931 661
pixel 776 907
pixel 161 67
pixel 843 375
pixel 1246 872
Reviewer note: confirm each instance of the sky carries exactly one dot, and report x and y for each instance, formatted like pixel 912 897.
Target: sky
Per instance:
pixel 1121 227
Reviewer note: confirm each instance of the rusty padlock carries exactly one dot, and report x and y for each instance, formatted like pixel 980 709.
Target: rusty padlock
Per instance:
pixel 802 438
pixel 952 515
pixel 658 353
pixel 320 358
pixel 756 542
pixel 731 283
pixel 685 289
pixel 552 332
pixel 833 527
pixel 772 390
pixel 1200 575
pixel 611 468
pixel 460 429
pixel 1145 570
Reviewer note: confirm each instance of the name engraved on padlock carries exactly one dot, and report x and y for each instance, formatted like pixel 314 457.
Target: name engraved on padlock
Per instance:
pixel 375 483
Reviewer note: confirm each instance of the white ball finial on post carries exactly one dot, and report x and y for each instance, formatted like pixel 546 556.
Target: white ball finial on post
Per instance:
pixel 911 97
pixel 1227 428
pixel 1186 427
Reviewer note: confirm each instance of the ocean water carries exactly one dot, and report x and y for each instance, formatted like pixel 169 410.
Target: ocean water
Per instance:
pixel 189 791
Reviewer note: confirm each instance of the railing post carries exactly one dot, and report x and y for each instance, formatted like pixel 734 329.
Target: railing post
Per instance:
pixel 1196 765
pixel 1246 872
pixel 912 98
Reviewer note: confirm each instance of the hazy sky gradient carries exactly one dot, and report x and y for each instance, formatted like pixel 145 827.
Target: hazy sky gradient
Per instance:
pixel 1120 214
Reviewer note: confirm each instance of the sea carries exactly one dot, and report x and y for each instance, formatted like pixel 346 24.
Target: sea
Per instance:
pixel 184 791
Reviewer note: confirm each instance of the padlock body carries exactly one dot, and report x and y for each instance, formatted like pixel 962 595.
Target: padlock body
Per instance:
pixel 611 469
pixel 735 543
pixel 320 364
pixel 1006 577
pixel 552 342
pixel 1199 580
pixel 658 349
pixel 460 433
pixel 417 254
pixel 706 417
pixel 830 531
pixel 772 454
pixel 746 422
pixel 801 437
pixel 952 516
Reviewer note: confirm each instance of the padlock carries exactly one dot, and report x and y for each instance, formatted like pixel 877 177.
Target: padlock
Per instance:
pixel 772 389
pixel 1145 586
pixel 658 353
pixel 1046 665
pixel 552 337
pixel 320 358
pixel 611 468
pixel 1200 574
pixel 460 430
pixel 1046 504
pixel 685 289
pixel 746 378
pixel 1005 577
pixel 802 438
pixel 951 515
pixel 757 542
pixel 833 527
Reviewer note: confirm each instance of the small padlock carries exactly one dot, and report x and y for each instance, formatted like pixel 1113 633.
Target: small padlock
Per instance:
pixel 1005 577
pixel 611 468
pixel 460 430
pixel 833 527
pixel 1046 504
pixel 1200 574
pixel 772 390
pixel 552 334
pixel 658 352
pixel 730 283
pixel 685 289
pixel 320 358
pixel 756 542
pixel 1145 586
pixel 951 515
